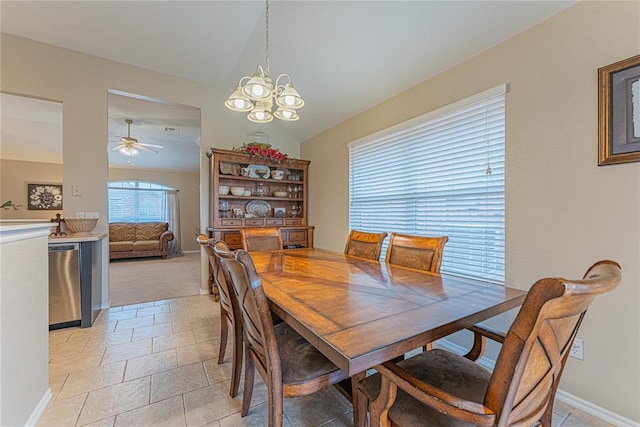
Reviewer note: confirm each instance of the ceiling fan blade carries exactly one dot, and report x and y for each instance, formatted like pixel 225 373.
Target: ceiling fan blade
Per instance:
pixel 118 147
pixel 143 148
pixel 151 145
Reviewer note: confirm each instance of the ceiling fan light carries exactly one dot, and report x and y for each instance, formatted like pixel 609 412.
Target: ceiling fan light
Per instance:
pixel 238 101
pixel 287 114
pixel 289 98
pixel 128 151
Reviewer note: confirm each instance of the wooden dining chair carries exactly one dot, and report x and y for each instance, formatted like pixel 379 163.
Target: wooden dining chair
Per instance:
pixel 364 245
pixel 417 252
pixel 440 388
pixel 289 365
pixel 259 239
pixel 229 312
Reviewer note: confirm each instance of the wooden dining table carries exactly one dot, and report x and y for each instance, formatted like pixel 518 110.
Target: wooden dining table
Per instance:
pixel 361 313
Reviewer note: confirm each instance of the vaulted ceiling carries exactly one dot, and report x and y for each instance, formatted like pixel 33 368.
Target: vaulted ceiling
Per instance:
pixel 343 56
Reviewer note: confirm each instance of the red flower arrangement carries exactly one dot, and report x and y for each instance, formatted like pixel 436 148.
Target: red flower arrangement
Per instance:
pixel 262 151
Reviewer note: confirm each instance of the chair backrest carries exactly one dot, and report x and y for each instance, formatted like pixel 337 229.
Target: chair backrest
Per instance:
pixel 537 345
pixel 254 308
pixel 261 239
pixel 419 252
pixel 364 245
pixel 224 286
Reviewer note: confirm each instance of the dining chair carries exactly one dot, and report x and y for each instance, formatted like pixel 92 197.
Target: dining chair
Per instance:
pixel 229 312
pixel 289 365
pixel 364 245
pixel 441 388
pixel 417 252
pixel 258 239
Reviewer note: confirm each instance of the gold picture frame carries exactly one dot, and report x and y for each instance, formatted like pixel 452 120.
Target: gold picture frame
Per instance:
pixel 619 112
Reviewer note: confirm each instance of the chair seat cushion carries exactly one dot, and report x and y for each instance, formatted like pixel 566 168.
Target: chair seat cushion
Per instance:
pixel 442 369
pixel 146 245
pixel 300 360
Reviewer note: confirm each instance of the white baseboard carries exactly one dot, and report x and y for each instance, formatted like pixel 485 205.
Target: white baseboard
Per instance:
pixel 204 291
pixel 195 251
pixel 571 400
pixel 39 409
pixel 596 411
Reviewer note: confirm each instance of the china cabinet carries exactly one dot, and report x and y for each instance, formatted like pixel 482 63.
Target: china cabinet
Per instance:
pixel 250 191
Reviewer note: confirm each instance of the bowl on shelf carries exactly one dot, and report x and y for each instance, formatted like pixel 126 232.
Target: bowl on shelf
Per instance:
pixel 223 190
pixel 280 193
pixel 81 225
pixel 247 192
pixel 277 174
pixel 237 191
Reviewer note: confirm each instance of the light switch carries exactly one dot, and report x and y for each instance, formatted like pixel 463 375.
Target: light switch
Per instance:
pixel 91 215
pixel 79 214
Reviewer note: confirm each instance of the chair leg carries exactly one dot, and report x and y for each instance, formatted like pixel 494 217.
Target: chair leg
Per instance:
pixel 236 365
pixel 224 334
pixel 249 372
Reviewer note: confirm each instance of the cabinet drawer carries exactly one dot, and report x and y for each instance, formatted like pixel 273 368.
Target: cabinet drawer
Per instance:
pixel 232 239
pixel 293 221
pixel 274 221
pixel 231 222
pixel 297 236
pixel 253 221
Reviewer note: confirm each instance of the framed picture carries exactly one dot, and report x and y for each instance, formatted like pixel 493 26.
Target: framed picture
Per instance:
pixel 619 112
pixel 279 212
pixel 44 197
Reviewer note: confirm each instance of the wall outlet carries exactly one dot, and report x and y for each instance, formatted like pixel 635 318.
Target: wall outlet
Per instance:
pixel 79 214
pixel 91 215
pixel 75 190
pixel 577 349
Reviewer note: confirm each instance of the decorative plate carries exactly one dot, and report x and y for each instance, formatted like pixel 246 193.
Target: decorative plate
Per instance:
pixel 258 208
pixel 227 168
pixel 259 171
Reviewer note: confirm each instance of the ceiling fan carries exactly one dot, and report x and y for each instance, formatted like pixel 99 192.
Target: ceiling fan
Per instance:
pixel 130 146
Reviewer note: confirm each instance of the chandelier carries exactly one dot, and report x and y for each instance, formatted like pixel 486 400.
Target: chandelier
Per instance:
pixel 257 94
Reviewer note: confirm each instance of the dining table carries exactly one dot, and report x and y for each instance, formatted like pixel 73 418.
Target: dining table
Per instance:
pixel 360 313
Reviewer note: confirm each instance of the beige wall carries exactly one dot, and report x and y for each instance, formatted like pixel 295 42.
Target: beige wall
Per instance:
pixel 189 196
pixel 81 83
pixel 563 212
pixel 14 177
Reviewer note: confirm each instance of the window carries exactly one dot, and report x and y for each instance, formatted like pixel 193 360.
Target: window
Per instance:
pixel 438 174
pixel 134 201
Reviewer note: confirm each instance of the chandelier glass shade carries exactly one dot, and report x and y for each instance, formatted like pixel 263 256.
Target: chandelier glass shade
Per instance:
pixel 258 95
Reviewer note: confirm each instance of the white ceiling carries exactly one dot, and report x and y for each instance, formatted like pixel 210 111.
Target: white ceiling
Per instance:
pixel 343 56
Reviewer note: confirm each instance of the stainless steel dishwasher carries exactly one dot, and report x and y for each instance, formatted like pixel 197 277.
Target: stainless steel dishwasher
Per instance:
pixel 64 285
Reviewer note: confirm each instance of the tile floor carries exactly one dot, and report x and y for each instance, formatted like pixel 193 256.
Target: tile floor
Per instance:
pixel 155 364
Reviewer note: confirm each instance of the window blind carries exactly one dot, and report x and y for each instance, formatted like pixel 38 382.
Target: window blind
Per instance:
pixel 133 201
pixel 440 174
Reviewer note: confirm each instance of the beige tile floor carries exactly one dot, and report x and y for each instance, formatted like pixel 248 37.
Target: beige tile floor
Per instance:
pixel 155 364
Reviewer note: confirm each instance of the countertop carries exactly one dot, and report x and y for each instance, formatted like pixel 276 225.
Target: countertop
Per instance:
pixel 77 238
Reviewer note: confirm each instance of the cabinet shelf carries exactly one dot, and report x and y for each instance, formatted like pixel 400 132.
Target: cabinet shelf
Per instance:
pixel 280 199
pixel 291 212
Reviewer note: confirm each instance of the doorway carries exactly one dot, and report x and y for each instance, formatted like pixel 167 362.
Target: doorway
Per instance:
pixel 158 142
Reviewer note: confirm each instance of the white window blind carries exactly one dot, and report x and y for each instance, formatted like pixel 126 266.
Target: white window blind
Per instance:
pixel 440 174
pixel 134 201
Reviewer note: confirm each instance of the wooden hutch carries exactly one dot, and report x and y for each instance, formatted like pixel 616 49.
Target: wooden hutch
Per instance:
pixel 265 202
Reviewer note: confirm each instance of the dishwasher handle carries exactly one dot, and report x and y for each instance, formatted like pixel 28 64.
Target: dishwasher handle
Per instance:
pixel 59 247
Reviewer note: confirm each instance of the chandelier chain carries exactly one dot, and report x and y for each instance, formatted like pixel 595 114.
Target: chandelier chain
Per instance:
pixel 266 36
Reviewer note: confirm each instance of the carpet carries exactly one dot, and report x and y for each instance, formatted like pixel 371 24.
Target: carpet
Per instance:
pixel 137 280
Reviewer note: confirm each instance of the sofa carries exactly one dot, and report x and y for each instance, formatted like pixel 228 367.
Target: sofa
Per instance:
pixel 143 239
